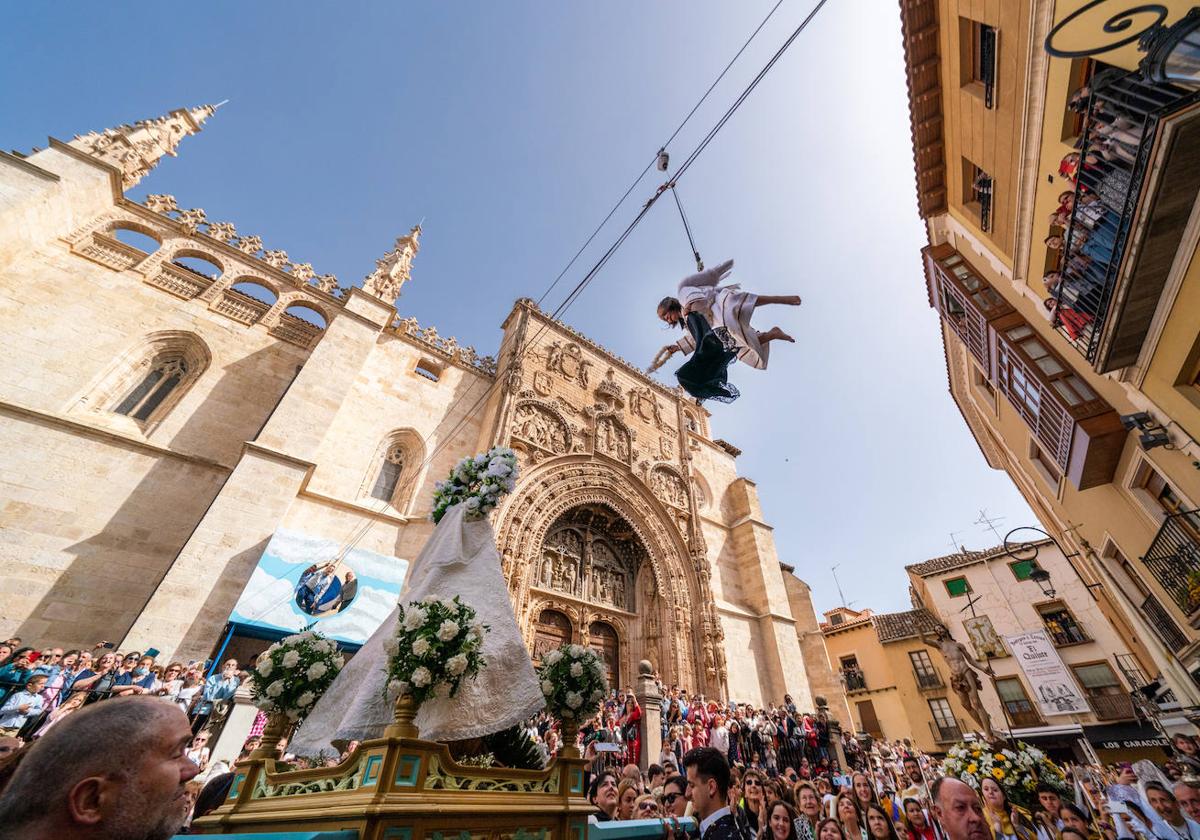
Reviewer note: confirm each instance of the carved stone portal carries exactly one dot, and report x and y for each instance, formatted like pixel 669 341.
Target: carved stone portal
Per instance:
pixel 590 553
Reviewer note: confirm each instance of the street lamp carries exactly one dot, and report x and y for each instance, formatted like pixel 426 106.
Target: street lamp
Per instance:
pixel 1173 52
pixel 1042 578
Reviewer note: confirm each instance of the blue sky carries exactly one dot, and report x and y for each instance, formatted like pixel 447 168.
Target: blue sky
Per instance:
pixel 512 128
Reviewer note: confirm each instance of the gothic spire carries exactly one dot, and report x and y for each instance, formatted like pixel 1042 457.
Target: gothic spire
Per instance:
pixel 136 149
pixel 394 268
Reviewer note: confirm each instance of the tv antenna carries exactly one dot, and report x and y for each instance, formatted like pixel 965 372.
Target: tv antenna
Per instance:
pixel 838 583
pixel 989 522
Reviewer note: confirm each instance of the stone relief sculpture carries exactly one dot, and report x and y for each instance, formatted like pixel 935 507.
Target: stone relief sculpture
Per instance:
pixel 644 405
pixel 540 426
pixel 612 438
pixel 568 361
pixel 668 488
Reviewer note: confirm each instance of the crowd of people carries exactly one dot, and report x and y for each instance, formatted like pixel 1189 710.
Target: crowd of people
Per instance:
pixel 907 798
pixel 39 688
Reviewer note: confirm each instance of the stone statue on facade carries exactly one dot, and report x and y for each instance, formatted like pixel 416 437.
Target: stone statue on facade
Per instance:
pixel 963 677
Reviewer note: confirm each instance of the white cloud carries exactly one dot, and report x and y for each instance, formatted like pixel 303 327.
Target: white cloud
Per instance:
pixel 369 610
pixel 269 600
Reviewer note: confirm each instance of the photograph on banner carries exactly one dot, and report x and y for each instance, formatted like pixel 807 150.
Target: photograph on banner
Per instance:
pixel 1050 681
pixel 301 581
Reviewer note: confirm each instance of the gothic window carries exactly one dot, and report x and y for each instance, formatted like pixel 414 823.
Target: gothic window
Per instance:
pixel 394 473
pixel 389 474
pixel 146 383
pixel 163 377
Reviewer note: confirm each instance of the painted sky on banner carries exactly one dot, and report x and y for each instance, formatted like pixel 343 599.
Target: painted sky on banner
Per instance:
pixel 269 599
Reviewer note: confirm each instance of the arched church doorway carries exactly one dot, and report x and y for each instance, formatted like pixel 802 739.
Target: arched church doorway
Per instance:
pixel 602 638
pixel 592 554
pixel 551 631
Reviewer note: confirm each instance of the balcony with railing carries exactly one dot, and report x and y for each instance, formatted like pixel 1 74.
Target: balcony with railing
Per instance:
pixel 1136 176
pixel 1064 630
pixel 945 733
pixel 1112 706
pixel 1174 559
pixel 855 679
pixel 1164 626
pixel 1024 717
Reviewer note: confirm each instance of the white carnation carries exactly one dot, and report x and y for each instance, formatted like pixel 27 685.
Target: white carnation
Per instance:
pixel 306 699
pixel 317 670
pixel 547 687
pixel 397 687
pixel 431 599
pixel 420 647
pixel 414 617
pixel 553 657
pixel 421 677
pixel 477 629
pixel 275 689
pixel 473 503
pixel 339 661
pixel 574 700
pixel 576 669
pixel 456 664
pixel 264 667
pixel 578 651
pixel 448 630
pixel 597 695
pixel 291 659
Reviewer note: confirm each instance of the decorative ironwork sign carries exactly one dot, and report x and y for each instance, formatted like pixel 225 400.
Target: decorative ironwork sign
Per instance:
pixel 1117 28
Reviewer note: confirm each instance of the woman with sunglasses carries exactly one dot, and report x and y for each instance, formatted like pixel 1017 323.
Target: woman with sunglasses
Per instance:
pixel 172 681
pixel 752 810
pixel 198 752
pixel 646 807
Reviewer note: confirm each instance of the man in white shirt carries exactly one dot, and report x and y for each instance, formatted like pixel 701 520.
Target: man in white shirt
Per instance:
pixel 1164 803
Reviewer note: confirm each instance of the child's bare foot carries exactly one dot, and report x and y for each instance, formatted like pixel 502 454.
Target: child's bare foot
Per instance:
pixel 775 334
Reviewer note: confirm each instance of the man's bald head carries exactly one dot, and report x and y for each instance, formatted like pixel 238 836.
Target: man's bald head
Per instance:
pixel 959 809
pixel 114 769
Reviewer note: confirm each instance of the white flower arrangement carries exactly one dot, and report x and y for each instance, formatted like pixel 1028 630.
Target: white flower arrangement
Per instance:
pixel 438 644
pixel 477 482
pixel 573 682
pixel 1018 772
pixel 292 674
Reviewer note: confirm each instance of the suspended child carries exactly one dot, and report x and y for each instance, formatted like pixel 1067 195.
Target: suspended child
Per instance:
pixel 717 320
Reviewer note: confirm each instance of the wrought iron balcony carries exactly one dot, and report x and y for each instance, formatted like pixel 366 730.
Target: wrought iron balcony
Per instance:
pixel 855 680
pixel 1137 167
pixel 1157 617
pixel 945 734
pixel 1174 559
pixel 1112 706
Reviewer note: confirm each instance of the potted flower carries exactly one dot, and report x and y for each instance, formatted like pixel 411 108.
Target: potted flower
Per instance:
pixel 438 645
pixel 288 679
pixel 574 684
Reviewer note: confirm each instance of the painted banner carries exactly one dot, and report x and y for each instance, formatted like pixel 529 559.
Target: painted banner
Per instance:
pixel 984 638
pixel 1054 688
pixel 297 584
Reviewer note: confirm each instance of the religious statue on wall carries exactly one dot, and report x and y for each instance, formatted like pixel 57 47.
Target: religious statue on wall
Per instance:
pixel 963 677
pixel 984 638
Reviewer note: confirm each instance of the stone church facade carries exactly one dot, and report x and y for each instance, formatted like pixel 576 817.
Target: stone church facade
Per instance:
pixel 159 423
